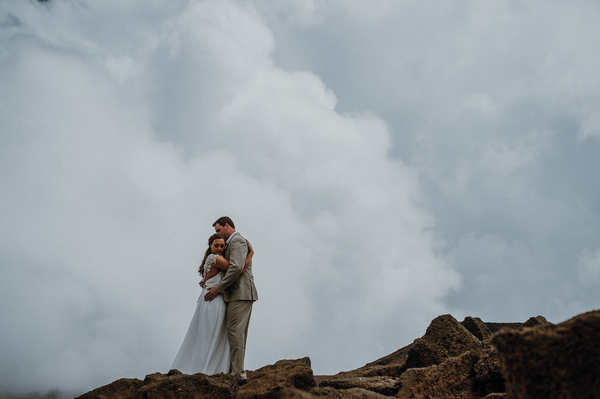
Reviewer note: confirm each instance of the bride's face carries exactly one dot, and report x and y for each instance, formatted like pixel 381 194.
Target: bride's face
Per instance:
pixel 218 246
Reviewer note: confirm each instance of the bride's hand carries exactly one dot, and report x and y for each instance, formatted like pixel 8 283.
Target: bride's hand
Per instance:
pixel 202 282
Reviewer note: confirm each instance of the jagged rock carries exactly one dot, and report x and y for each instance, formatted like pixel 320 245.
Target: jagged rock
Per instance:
pixel 472 374
pixel 330 393
pixel 495 327
pixel 270 381
pixel 352 393
pixel 383 385
pixel 167 386
pixel 293 393
pixel 477 327
pixel 452 379
pixel 552 361
pixel 451 360
pixel 122 388
pixel 396 358
pixel 390 370
pixel 445 337
pixel 488 372
pixel 536 321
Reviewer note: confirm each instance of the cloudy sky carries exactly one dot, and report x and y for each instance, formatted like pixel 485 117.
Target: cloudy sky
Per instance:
pixel 390 161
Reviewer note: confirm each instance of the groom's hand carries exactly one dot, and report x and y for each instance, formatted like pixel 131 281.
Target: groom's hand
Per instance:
pixel 211 294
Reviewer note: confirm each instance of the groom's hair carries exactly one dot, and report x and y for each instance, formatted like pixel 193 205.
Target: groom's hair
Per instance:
pixel 223 220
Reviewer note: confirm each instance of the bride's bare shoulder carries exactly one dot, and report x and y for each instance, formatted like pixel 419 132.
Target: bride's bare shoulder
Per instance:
pixel 221 263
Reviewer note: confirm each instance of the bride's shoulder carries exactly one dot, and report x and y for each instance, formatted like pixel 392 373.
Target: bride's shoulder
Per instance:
pixel 212 258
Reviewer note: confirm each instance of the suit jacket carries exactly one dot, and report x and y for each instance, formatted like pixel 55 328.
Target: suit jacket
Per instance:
pixel 235 285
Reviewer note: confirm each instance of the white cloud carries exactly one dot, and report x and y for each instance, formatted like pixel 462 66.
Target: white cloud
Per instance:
pixel 120 150
pixel 389 163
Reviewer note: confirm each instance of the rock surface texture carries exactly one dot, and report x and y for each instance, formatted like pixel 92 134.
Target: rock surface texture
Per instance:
pixel 452 360
pixel 271 381
pixel 552 361
pixel 445 338
pixel 167 386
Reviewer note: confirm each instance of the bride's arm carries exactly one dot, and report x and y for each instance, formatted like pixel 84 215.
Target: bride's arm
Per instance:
pixel 248 257
pixel 221 264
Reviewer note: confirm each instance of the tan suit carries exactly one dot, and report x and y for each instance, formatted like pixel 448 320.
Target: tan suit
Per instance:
pixel 239 292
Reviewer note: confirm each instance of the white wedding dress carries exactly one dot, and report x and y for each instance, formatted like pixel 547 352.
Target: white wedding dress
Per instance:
pixel 205 348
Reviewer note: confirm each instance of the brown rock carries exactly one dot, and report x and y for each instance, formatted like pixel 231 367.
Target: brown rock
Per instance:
pixel 473 374
pixel 552 361
pixel 390 370
pixel 488 372
pixel 383 385
pixel 536 321
pixel 495 327
pixel 452 379
pixel 270 381
pixel 293 393
pixel 122 388
pixel 477 327
pixel 397 357
pixel 167 386
pixel 330 393
pixel 445 337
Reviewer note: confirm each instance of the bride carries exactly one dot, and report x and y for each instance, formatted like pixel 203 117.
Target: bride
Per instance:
pixel 205 348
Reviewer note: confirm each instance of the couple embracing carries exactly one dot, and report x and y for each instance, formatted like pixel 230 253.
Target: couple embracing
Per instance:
pixel 216 338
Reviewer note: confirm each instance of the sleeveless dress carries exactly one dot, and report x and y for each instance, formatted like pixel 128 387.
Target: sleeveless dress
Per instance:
pixel 205 348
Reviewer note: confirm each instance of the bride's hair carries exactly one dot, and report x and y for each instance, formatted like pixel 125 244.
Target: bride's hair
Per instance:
pixel 211 239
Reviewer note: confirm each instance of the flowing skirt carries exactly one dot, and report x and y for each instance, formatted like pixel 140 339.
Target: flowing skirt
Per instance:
pixel 205 348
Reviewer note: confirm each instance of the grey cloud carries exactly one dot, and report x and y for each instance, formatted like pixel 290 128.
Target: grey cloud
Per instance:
pixel 389 164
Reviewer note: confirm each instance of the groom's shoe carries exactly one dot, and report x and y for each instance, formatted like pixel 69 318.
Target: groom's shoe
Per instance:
pixel 241 382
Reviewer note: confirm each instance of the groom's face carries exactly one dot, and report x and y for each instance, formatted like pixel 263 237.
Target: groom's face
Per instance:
pixel 223 230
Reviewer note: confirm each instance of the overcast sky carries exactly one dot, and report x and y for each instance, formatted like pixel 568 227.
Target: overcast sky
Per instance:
pixel 390 161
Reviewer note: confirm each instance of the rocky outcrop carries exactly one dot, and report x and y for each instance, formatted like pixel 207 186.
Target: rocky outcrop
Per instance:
pixel 452 360
pixel 536 321
pixel 166 386
pixel 445 338
pixel 452 378
pixel 487 371
pixel 477 327
pixel 474 373
pixel 331 393
pixel 384 385
pixel 552 361
pixel 270 381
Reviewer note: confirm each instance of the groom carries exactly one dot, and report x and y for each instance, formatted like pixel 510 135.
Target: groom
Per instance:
pixel 239 293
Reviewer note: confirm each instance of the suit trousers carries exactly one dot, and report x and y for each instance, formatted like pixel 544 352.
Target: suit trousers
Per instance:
pixel 238 319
